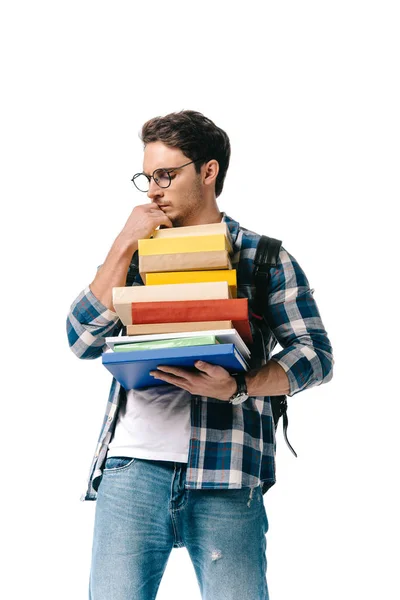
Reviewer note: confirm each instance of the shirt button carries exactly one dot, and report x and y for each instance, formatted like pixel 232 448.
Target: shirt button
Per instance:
pixel 109 419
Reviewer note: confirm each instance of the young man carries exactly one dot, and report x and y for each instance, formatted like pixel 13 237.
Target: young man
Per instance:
pixel 185 464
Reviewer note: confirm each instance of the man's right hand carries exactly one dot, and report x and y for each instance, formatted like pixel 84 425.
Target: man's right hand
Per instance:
pixel 141 223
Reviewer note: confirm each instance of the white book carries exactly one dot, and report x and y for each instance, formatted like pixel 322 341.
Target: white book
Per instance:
pixel 224 336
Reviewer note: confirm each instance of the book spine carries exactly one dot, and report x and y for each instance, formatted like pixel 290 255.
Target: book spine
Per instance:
pixel 192 230
pixel 184 291
pixel 172 277
pixel 178 311
pixel 177 327
pixel 195 261
pixel 195 230
pixel 177 245
pixel 177 277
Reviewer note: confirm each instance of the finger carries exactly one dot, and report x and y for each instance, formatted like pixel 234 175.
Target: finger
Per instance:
pixel 178 371
pixel 161 217
pixel 177 381
pixel 212 370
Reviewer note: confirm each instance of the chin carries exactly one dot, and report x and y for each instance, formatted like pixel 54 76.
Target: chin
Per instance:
pixel 177 221
pixel 177 218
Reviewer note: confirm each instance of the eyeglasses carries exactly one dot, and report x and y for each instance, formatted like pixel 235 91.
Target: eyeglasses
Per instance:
pixel 162 177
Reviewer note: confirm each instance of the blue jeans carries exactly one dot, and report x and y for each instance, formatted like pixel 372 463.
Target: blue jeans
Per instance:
pixel 143 511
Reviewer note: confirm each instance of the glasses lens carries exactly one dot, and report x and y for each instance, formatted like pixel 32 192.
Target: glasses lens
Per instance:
pixel 141 182
pixel 162 178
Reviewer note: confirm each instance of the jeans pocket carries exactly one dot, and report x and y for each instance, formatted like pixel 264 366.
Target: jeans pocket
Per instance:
pixel 117 463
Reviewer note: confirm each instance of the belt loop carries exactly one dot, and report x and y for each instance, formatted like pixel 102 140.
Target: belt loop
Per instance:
pixel 250 496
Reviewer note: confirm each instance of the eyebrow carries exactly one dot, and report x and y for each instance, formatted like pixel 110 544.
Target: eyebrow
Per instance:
pixel 163 168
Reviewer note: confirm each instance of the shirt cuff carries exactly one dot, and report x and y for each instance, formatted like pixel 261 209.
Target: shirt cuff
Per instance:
pixel 297 364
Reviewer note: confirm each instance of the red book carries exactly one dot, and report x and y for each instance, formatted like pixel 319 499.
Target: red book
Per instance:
pixel 177 311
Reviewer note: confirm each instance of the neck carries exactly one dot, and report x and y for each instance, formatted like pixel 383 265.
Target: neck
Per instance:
pixel 210 214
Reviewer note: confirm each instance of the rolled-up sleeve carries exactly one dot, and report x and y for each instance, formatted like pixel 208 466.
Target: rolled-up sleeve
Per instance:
pixel 88 323
pixel 296 323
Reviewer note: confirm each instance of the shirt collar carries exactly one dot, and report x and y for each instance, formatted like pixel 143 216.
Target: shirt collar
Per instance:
pixel 233 226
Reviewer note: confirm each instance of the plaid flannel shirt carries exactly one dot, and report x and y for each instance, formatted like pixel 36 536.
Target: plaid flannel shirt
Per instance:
pixel 231 446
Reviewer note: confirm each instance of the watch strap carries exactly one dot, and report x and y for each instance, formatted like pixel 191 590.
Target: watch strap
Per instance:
pixel 241 393
pixel 241 383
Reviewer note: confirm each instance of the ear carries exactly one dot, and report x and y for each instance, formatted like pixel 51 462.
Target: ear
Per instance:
pixel 210 171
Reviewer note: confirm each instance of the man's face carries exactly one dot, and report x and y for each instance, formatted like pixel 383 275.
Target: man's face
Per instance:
pixel 183 200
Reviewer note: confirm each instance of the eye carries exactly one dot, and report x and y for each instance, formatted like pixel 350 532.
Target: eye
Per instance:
pixel 161 176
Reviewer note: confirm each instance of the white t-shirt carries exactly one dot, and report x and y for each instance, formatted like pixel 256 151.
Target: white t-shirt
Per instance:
pixel 153 423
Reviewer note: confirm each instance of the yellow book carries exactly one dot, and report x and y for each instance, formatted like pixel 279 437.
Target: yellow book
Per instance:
pixel 179 245
pixel 193 277
pixel 195 230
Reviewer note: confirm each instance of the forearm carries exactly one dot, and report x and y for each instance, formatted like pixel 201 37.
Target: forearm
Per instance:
pixel 88 323
pixel 293 317
pixel 92 316
pixel 269 380
pixel 113 271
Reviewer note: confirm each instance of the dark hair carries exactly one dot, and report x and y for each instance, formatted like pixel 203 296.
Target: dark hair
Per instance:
pixel 195 135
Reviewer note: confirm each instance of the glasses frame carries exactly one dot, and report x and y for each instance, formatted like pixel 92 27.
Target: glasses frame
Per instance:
pixel 166 170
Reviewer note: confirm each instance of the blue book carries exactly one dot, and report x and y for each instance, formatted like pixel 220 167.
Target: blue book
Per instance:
pixel 132 369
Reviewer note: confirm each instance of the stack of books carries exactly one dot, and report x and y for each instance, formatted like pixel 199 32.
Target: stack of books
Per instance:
pixel 187 310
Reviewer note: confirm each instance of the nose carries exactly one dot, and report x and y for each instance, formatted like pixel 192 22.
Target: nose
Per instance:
pixel 154 190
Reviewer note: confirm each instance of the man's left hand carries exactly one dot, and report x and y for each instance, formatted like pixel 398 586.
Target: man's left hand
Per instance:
pixel 208 380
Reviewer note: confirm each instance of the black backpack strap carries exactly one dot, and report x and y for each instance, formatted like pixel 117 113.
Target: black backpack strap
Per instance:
pixel 133 269
pixel 266 257
pixel 279 409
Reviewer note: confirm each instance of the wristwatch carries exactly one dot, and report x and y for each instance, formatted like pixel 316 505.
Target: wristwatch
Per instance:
pixel 241 393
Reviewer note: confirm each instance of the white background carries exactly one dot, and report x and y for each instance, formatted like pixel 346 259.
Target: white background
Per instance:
pixel 309 95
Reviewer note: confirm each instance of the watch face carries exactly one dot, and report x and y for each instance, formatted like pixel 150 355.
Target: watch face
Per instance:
pixel 239 398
